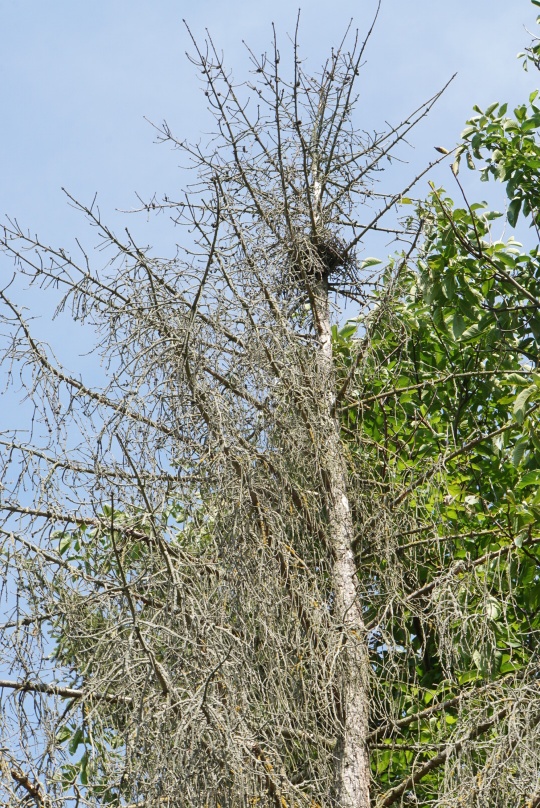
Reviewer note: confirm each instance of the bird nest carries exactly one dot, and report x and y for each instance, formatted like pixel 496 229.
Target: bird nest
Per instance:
pixel 319 256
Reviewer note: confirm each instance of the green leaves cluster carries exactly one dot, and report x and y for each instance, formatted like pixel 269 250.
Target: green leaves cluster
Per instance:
pixel 444 408
pixel 509 151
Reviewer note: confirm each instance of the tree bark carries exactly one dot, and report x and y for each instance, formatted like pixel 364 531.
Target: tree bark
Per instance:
pixel 352 782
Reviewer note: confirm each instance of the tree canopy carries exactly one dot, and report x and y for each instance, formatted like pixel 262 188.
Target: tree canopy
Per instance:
pixel 279 560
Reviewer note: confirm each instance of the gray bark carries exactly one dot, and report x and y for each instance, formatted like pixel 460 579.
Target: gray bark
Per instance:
pixel 352 787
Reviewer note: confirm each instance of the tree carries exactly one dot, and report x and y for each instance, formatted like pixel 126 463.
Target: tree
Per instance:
pixel 446 406
pixel 194 571
pixel 275 562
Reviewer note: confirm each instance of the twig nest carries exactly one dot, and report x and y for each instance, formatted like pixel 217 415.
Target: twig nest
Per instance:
pixel 319 256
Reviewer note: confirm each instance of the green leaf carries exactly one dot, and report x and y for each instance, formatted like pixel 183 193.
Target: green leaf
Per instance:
pixel 347 331
pixel 76 740
pixel 83 763
pixel 521 403
pixel 64 543
pixel 458 325
pixel 530 124
pixel 531 478
pixel 383 761
pixel 507 666
pixel 63 734
pixel 507 259
pixel 370 262
pixel 513 211
pixel 533 596
pixel 471 333
pixel 468 676
pixel 519 451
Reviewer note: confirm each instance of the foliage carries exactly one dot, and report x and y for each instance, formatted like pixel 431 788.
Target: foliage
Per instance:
pixel 447 403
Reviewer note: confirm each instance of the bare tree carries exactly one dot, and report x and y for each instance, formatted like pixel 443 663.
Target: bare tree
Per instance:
pixel 179 544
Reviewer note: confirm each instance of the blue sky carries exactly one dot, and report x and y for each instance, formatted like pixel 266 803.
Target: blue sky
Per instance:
pixel 79 78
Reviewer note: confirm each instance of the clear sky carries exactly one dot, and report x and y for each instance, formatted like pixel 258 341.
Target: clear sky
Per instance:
pixel 79 78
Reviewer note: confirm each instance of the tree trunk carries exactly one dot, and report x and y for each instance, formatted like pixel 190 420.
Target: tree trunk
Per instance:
pixel 352 784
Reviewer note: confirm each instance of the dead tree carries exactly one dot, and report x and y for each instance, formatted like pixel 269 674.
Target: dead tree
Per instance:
pixel 178 543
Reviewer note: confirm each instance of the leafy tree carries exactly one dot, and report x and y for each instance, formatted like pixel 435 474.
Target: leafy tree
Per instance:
pixel 445 403
pixel 275 561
